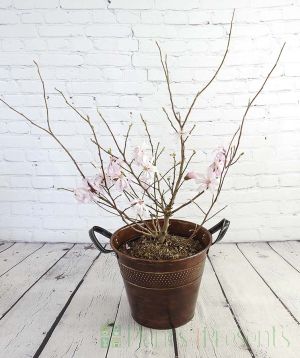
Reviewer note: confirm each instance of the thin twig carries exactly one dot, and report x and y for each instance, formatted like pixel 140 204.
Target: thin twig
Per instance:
pixel 215 74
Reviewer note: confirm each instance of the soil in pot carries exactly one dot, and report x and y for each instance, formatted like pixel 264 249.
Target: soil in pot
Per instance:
pixel 174 247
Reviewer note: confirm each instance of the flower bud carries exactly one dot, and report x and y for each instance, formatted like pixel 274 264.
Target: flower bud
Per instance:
pixel 191 175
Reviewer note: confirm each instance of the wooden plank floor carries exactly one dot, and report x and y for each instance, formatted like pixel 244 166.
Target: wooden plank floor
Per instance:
pixel 66 300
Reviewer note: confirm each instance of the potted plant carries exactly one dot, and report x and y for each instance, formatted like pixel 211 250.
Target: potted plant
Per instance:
pixel 161 258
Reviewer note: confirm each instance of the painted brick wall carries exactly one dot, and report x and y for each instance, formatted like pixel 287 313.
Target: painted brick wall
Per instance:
pixel 103 53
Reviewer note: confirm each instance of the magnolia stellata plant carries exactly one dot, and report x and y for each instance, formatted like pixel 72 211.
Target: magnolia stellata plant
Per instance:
pixel 134 177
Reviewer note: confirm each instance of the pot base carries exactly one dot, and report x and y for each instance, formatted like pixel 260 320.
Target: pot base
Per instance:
pixel 159 327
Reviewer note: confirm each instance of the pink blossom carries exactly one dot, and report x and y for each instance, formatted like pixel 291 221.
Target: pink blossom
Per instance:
pixel 139 155
pixel 98 183
pixel 122 183
pixel 220 153
pixel 114 167
pixel 217 168
pixel 140 207
pixel 207 181
pixel 219 162
pixel 83 195
pixel 149 169
pixel 191 175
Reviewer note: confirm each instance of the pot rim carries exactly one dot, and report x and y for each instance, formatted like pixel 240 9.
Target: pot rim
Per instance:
pixel 137 259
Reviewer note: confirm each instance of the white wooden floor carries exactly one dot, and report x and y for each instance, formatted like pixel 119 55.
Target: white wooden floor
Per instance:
pixel 64 300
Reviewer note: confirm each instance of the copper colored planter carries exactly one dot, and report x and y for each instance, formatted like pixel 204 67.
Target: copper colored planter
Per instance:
pixel 162 293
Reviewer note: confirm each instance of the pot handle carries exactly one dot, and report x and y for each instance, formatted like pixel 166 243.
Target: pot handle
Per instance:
pixel 223 226
pixel 97 243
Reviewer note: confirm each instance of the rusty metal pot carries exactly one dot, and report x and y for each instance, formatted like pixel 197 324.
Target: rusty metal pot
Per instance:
pixel 162 293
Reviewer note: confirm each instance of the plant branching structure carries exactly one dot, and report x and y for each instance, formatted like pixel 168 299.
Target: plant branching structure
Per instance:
pixel 159 196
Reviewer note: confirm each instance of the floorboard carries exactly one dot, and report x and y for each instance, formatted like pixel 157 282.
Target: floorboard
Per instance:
pixel 15 254
pixel 288 250
pixel 271 331
pixel 27 323
pixel 88 322
pixel 5 245
pixel 23 276
pixel 282 278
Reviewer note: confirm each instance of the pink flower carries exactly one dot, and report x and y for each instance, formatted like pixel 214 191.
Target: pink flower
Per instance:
pixel 140 207
pixel 122 183
pixel 217 168
pixel 98 183
pixel 207 181
pixel 148 171
pixel 83 195
pixel 191 175
pixel 139 155
pixel 220 153
pixel 219 162
pixel 114 167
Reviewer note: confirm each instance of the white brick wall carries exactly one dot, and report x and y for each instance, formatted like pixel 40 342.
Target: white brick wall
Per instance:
pixel 104 52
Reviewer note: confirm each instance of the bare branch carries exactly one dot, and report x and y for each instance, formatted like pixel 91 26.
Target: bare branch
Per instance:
pixel 215 74
pixel 167 77
pixel 148 134
pixel 232 149
pixel 44 95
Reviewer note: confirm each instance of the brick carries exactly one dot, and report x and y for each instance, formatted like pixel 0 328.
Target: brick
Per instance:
pixel 19 127
pixel 87 4
pixel 112 73
pixel 18 31
pixel 62 223
pixel 142 60
pixel 42 182
pixel 126 17
pixel 136 75
pixel 21 209
pixel 13 195
pixel 129 101
pixel 36 44
pixel 32 4
pixel 15 45
pixel 104 16
pixel 290 180
pixel 60 60
pixel 202 32
pixel 5 4
pixel 177 5
pixel 56 17
pixel 32 18
pixel 21 182
pixel 133 4
pixel 59 30
pixel 80 17
pixel 14 155
pixel 177 17
pixel 108 30
pixel 8 17
pixel 162 31
pixel 152 17
pixel 108 60
pixel 36 156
